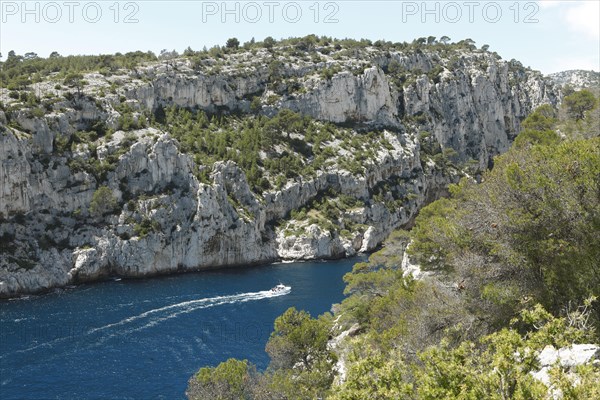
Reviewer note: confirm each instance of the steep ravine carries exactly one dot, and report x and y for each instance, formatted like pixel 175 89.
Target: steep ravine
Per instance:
pixel 50 239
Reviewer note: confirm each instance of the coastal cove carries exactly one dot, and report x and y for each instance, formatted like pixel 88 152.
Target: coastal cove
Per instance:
pixel 145 338
pixel 301 218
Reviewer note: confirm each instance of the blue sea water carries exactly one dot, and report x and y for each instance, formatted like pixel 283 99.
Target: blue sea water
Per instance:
pixel 143 339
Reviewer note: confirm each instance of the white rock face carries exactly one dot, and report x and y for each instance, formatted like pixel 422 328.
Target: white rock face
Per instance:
pixel 14 174
pixel 477 112
pixel 190 91
pixel 578 79
pixel 346 97
pixel 411 268
pixel 339 344
pixel 167 220
pixel 567 358
pixel 315 243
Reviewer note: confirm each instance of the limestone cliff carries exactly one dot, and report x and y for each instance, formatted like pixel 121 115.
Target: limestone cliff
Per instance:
pixel 438 113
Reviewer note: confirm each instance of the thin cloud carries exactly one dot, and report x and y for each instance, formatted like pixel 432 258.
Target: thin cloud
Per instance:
pixel 544 4
pixel 585 18
pixel 581 17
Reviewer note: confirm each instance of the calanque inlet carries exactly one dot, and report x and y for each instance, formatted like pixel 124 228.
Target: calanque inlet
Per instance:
pixel 468 187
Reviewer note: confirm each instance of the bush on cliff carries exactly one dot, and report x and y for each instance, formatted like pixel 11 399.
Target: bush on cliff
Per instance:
pixel 103 201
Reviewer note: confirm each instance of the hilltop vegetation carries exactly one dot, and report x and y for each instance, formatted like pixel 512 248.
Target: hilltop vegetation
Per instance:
pixel 20 71
pixel 507 266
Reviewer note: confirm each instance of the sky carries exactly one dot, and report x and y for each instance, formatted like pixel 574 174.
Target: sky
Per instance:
pixel 545 35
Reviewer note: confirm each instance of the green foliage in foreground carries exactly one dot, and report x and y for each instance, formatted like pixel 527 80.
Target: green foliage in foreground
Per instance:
pixel 530 229
pixel 301 365
pixel 495 366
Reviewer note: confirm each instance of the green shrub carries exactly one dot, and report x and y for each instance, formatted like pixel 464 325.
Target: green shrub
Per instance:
pixel 103 202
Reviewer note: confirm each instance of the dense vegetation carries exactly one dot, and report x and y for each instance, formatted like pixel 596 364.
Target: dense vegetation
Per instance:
pixel 271 150
pixel 511 264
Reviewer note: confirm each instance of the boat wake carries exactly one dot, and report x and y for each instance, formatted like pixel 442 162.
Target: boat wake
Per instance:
pixel 155 316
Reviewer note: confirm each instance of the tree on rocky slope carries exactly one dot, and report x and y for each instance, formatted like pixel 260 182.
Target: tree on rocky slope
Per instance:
pixel 579 103
pixel 74 80
pixel 230 380
pixel 301 363
pixel 232 43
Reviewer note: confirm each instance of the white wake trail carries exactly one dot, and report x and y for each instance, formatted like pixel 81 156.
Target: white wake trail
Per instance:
pixel 186 307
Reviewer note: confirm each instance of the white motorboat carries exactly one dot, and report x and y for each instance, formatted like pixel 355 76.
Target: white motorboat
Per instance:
pixel 281 288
